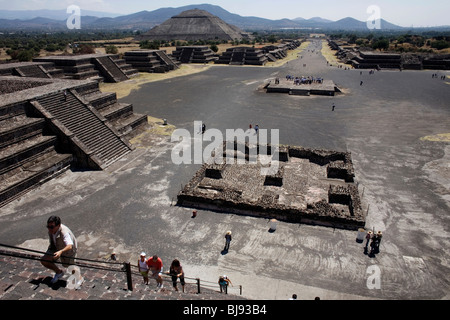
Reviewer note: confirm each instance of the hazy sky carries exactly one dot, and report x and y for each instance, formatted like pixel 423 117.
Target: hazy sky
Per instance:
pixel 405 13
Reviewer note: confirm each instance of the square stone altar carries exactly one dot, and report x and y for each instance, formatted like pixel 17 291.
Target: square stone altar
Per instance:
pixel 308 186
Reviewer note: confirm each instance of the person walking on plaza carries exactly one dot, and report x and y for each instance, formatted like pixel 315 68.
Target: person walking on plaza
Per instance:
pixel 375 244
pixel 143 267
pixel 227 241
pixel 155 265
pixel 176 271
pixel 63 246
pixel 368 237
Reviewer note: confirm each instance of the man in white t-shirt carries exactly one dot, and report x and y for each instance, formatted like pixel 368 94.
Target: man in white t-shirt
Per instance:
pixel 63 246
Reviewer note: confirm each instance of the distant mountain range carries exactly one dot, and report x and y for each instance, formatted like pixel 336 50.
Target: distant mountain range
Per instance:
pixel 55 20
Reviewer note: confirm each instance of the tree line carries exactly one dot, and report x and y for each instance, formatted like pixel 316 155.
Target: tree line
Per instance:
pixel 24 46
pixel 426 41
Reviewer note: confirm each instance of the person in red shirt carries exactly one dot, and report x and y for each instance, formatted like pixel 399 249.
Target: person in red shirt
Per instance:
pixel 156 268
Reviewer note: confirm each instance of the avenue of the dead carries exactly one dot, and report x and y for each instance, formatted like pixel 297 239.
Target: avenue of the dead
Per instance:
pixel 390 121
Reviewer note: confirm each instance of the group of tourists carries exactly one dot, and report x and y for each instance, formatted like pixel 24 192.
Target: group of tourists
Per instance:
pixel 63 249
pixel 435 76
pixel 153 267
pixel 304 80
pixel 375 240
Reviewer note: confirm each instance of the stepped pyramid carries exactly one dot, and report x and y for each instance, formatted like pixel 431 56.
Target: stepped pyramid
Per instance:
pixel 194 25
pixel 48 125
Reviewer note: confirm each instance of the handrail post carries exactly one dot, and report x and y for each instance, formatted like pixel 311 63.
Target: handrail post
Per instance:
pixel 127 266
pixel 198 285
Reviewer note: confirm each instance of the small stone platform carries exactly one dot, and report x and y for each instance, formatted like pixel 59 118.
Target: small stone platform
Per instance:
pixel 309 186
pixel 325 87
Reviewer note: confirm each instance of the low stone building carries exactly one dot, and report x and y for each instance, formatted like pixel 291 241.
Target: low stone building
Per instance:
pixel 363 58
pixel 194 54
pixel 376 60
pixel 242 56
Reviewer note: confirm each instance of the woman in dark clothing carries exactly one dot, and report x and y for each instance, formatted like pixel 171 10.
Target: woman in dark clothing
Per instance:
pixel 176 271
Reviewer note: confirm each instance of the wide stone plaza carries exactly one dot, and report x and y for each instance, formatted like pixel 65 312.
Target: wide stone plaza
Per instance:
pixel 396 125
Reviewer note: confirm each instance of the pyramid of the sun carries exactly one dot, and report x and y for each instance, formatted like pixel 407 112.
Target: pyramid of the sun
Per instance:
pixel 194 25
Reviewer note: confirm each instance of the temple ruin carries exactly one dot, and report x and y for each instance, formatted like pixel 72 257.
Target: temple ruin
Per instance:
pixel 243 55
pixel 99 67
pixel 310 186
pixel 153 61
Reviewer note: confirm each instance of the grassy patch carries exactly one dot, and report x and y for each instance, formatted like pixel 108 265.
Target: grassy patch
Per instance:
pixel 441 137
pixel 123 89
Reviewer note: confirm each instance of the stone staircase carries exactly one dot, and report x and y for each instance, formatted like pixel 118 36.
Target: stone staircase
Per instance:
pixel 128 69
pixel 22 277
pixel 167 60
pixel 110 70
pixel 153 61
pixel 186 55
pixel 32 71
pixel 194 54
pixel 98 140
pixel 238 58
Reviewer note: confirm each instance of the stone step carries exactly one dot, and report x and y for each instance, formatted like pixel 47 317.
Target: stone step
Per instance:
pixel 85 75
pixel 100 100
pixel 34 71
pixel 117 110
pixel 17 154
pixel 19 128
pixel 89 88
pixel 127 124
pixel 167 60
pixel 110 69
pixel 79 68
pixel 32 174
